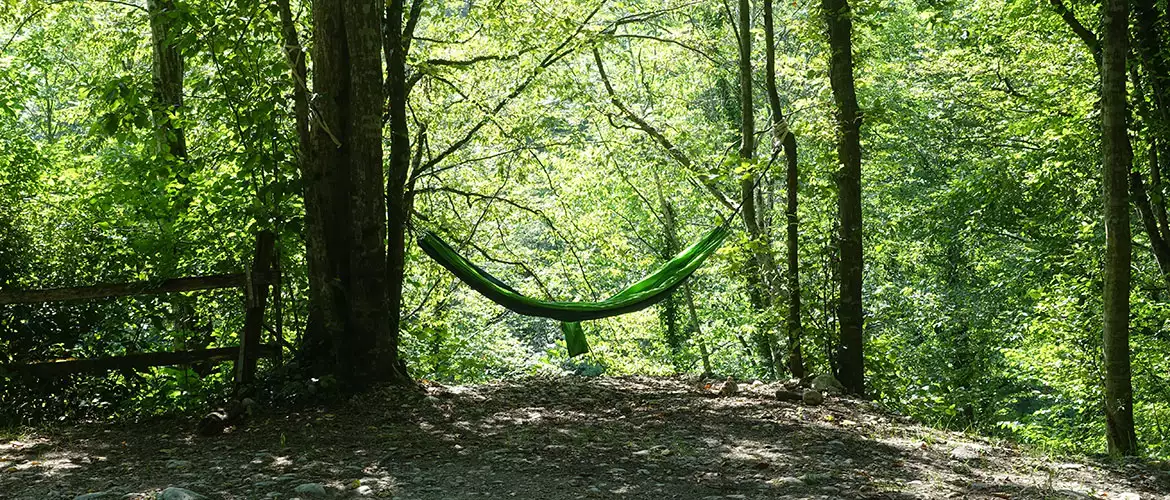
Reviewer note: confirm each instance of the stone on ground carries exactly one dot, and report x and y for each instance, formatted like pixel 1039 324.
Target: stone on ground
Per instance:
pixel 813 398
pixel 174 493
pixel 827 384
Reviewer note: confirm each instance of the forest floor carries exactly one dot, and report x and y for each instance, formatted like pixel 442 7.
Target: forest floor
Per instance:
pixel 568 438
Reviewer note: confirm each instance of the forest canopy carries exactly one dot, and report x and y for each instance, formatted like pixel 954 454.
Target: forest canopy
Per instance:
pixel 921 191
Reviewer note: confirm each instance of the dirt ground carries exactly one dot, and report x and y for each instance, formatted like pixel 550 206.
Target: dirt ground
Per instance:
pixel 565 438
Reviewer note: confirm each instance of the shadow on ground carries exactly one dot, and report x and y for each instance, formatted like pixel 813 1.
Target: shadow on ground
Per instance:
pixel 635 438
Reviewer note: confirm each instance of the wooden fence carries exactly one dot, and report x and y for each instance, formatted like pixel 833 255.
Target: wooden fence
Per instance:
pixel 264 271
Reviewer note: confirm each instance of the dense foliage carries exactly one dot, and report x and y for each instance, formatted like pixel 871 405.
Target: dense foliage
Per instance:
pixel 981 198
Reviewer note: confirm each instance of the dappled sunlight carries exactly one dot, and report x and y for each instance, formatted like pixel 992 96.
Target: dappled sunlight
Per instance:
pixel 592 438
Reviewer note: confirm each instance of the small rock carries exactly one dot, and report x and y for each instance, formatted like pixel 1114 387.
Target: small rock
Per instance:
pixel 730 388
pixel 966 452
pixel 311 489
pixel 814 478
pixel 787 395
pixel 95 496
pixel 960 468
pixel 364 491
pixel 788 481
pixel 174 493
pixel 826 383
pixel 812 398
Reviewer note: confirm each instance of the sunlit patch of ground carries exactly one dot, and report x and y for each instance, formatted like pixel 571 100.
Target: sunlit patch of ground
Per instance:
pixel 624 438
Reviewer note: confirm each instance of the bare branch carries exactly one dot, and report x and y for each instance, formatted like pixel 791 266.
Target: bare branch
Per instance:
pixel 671 41
pixel 559 52
pixel 649 129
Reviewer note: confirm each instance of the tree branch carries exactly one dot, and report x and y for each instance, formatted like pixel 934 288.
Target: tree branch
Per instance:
pixel 671 41
pixel 1079 29
pixel 411 22
pixel 662 141
pixel 463 63
pixel 559 52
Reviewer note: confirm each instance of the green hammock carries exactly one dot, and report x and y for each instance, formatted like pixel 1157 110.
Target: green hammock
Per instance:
pixel 637 296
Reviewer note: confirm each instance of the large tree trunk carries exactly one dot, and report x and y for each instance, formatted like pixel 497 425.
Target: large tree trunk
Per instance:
pixel 850 356
pixel 782 137
pixel 1115 165
pixel 344 203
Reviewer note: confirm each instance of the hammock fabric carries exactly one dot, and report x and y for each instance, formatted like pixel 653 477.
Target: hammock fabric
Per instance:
pixel 637 296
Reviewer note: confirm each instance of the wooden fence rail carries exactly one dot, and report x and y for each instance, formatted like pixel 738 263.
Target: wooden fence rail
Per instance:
pixel 128 361
pixel 123 289
pixel 263 271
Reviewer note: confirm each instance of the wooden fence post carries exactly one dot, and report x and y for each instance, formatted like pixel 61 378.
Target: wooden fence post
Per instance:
pixel 255 300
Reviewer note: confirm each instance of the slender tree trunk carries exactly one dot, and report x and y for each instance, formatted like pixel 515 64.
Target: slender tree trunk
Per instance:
pixel 783 137
pixel 1158 245
pixel 698 331
pixel 167 75
pixel 1147 19
pixel 170 142
pixel 1152 211
pixel 762 267
pixel 1156 180
pixel 399 203
pixel 1116 165
pixel 850 349
pixel 295 57
pixel 669 310
pixel 316 341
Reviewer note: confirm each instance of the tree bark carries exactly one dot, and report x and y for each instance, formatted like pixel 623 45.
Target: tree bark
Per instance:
pixel 1117 156
pixel 344 202
pixel 399 202
pixel 167 75
pixel 783 137
pixel 697 329
pixel 669 313
pixel 850 357
pixel 1153 59
pixel 1158 245
pixel 761 269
